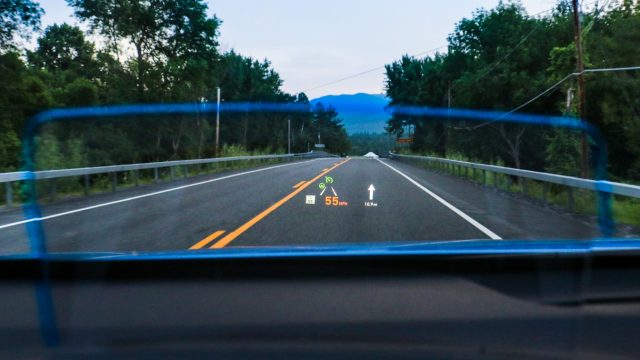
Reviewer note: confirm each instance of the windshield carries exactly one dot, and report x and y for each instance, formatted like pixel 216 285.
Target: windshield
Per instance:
pixel 163 126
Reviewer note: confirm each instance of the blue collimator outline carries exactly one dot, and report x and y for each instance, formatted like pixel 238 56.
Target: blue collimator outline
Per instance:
pixel 32 209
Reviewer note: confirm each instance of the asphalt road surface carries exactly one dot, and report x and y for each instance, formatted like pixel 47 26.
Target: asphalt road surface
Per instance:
pixel 311 202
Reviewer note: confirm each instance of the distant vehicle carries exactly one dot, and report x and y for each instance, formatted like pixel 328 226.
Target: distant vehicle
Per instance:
pixel 371 155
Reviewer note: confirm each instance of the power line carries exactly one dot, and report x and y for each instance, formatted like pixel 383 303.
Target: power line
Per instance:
pixel 368 71
pixel 524 38
pixel 349 77
pixel 597 11
pixel 554 86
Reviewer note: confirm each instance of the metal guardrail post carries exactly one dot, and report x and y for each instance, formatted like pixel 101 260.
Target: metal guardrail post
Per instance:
pixel 185 171
pixel 545 190
pixel 172 172
pixel 155 175
pixel 52 190
pixel 86 184
pixel 114 181
pixel 570 200
pixel 525 188
pixel 484 177
pixel 136 177
pixel 8 194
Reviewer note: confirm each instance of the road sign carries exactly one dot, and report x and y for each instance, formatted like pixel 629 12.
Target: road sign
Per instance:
pixel 319 146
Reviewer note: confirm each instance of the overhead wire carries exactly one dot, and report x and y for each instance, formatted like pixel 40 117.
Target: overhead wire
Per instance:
pixel 368 71
pixel 349 77
pixel 554 86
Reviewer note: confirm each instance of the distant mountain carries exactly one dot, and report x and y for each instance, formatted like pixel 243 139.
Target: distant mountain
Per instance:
pixel 359 112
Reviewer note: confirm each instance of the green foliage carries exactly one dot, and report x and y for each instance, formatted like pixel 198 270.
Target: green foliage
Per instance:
pixel 500 58
pixel 9 147
pixel 80 92
pixel 362 143
pixel 168 36
pixel 21 95
pixel 329 126
pixel 155 51
pixel 17 17
pixel 63 48
pixel 563 152
pixel 53 154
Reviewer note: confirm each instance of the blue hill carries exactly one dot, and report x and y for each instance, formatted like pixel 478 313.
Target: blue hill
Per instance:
pixel 359 112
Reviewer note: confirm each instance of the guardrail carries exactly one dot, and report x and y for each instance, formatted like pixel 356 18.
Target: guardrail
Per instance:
pixel 8 178
pixel 569 181
pixel 602 190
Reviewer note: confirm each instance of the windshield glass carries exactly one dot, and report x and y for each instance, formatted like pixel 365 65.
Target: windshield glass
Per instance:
pixel 160 126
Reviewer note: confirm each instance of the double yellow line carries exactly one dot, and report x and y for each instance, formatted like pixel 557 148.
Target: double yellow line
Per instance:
pixel 299 187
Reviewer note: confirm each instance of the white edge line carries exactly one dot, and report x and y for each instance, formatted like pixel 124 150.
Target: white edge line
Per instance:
pixel 468 218
pixel 334 192
pixel 148 195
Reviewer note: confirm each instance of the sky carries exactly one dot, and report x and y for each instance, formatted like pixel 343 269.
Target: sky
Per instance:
pixel 312 43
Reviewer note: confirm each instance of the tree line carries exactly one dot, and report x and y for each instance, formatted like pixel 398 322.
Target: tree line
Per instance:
pixel 500 58
pixel 147 51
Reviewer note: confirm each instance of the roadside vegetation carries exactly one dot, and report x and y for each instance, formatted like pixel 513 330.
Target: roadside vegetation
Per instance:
pixel 51 190
pixel 498 59
pixel 362 143
pixel 165 51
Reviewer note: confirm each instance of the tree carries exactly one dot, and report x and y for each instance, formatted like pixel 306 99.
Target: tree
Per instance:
pixel 21 95
pixel 17 17
pixel 64 48
pixel 176 60
pixel 161 32
pixel 496 60
pixel 329 126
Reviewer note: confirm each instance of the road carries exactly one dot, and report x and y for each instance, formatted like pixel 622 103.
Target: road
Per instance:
pixel 370 200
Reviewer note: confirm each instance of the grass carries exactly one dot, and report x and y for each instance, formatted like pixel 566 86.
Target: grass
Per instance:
pixel 52 190
pixel 626 210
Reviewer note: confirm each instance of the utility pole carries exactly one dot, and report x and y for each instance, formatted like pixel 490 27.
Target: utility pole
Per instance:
pixel 289 136
pixel 582 110
pixel 218 122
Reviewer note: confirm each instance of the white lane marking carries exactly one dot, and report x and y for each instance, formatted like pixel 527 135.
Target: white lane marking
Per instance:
pixel 323 190
pixel 147 195
pixel 468 218
pixel 334 192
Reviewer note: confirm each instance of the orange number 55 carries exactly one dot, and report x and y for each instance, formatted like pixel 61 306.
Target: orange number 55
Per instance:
pixel 331 200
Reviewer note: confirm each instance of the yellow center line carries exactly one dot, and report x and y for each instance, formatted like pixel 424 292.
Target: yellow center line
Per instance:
pixel 202 243
pixel 298 184
pixel 246 226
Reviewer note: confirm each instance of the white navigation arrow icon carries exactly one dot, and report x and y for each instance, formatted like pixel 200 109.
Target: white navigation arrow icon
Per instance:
pixel 371 190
